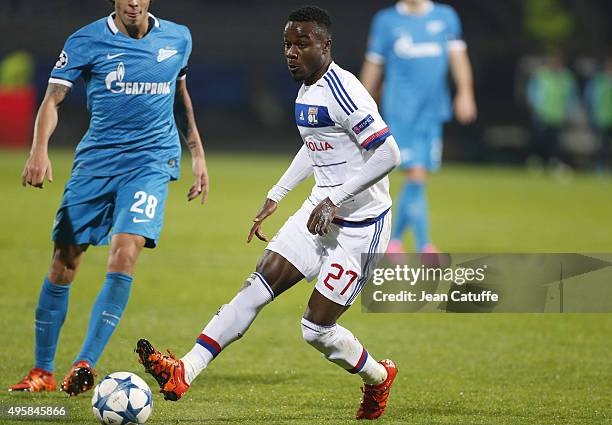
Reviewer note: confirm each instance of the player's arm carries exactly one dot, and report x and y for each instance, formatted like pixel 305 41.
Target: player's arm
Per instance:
pixel 38 165
pixel 373 68
pixel 385 158
pixel 186 123
pixel 298 171
pixel 371 77
pixel 461 69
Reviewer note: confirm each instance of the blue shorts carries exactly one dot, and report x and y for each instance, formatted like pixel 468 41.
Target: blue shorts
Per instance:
pixel 420 143
pixel 95 208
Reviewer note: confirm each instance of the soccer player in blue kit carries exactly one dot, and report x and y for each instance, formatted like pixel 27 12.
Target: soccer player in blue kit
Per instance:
pixel 134 67
pixel 411 46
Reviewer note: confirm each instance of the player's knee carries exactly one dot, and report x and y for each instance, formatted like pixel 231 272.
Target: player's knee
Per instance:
pixel 65 263
pixel 277 272
pixel 268 266
pixel 319 337
pixel 416 174
pixel 60 274
pixel 123 254
pixel 122 259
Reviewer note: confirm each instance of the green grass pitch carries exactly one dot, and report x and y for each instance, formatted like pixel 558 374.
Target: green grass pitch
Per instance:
pixel 453 369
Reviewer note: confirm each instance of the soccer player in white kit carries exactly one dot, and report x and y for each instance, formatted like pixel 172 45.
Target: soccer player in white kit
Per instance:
pixel 335 237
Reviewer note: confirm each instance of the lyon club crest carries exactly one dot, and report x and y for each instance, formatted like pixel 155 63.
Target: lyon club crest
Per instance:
pixel 312 115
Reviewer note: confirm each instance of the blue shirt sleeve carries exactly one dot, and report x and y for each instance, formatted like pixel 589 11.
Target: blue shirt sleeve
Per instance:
pixel 73 60
pixel 378 42
pixel 454 30
pixel 187 54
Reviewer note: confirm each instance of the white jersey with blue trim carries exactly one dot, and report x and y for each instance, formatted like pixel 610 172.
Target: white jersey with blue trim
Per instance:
pixel 340 124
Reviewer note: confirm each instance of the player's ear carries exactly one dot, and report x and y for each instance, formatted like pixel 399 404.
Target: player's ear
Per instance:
pixel 327 46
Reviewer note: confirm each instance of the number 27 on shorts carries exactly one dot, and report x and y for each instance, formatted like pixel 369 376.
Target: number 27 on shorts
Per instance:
pixel 339 276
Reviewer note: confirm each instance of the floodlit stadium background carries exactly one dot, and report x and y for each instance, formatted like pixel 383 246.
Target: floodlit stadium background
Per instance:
pixel 243 94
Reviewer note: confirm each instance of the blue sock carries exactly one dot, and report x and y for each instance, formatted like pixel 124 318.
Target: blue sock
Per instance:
pixel 49 318
pixel 413 206
pixel 401 214
pixel 105 315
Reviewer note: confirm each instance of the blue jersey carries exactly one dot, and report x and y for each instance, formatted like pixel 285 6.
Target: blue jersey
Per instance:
pixel 414 50
pixel 130 86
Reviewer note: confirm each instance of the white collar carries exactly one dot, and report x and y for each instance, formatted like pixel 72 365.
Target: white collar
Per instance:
pixel 402 8
pixel 110 21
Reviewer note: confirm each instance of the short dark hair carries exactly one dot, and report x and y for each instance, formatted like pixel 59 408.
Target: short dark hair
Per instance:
pixel 112 2
pixel 313 14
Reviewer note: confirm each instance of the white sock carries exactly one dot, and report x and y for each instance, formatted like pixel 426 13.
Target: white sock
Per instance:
pixel 229 324
pixel 340 346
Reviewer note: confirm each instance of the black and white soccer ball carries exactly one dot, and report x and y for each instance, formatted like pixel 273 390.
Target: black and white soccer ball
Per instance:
pixel 122 398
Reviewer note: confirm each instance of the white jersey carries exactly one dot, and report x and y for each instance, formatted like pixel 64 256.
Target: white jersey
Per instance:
pixel 339 124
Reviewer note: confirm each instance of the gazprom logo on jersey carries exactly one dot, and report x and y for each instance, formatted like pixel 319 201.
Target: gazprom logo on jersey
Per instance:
pixel 116 84
pixel 363 124
pixel 405 48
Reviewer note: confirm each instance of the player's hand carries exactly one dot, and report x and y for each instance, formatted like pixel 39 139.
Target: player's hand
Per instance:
pixel 37 168
pixel 267 210
pixel 201 183
pixel 321 217
pixel 465 108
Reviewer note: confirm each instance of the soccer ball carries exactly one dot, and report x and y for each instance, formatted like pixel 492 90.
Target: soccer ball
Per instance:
pixel 122 398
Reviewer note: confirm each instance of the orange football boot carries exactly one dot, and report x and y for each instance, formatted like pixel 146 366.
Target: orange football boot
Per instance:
pixel 37 380
pixel 167 370
pixel 79 379
pixel 375 396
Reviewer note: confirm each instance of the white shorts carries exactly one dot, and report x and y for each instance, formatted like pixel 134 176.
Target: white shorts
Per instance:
pixel 342 261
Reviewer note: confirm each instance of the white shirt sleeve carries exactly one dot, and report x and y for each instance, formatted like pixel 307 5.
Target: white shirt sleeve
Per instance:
pixel 298 171
pixel 352 107
pixel 385 158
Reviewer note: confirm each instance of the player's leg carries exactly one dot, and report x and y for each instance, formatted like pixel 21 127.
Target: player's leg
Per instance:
pixel 290 257
pixel 273 276
pixel 342 276
pixel 72 232
pixel 421 154
pixel 106 312
pixel 415 206
pixel 340 346
pixel 411 202
pixel 137 218
pixel 113 297
pixel 403 133
pixel 50 315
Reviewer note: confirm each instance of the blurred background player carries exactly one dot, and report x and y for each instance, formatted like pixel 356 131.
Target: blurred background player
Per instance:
pixel 552 93
pixel 599 106
pixel 134 67
pixel 350 150
pixel 410 47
